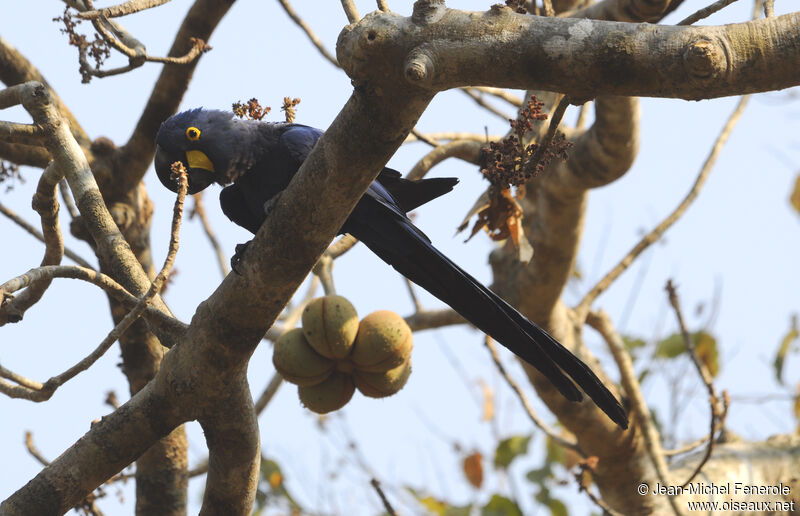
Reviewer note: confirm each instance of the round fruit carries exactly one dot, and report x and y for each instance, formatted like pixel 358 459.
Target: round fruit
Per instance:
pixel 380 385
pixel 330 395
pixel 297 362
pixel 330 325
pixel 384 342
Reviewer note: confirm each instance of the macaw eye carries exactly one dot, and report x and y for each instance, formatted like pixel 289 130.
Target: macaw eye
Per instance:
pixel 193 133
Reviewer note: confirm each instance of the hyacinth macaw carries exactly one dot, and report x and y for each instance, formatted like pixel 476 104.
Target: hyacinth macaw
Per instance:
pixel 255 160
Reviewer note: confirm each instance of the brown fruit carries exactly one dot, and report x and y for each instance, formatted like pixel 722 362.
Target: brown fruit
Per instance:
pixel 380 385
pixel 330 395
pixel 384 342
pixel 330 325
pixel 297 362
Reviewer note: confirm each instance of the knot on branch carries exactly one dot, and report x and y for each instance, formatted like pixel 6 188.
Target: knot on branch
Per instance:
pixel 419 67
pixel 706 60
pixel 428 11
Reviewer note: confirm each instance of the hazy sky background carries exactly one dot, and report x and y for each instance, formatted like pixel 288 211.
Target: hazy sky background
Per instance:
pixel 740 242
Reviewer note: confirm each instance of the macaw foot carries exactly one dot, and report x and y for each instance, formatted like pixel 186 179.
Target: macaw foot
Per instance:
pixel 271 203
pixel 238 255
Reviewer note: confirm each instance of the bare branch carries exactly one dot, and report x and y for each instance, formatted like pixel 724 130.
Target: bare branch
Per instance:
pixel 705 12
pixel 717 413
pixel 478 98
pixel 383 5
pixel 469 151
pixel 351 11
pixel 48 388
pixel 665 224
pixel 431 138
pixel 602 323
pixel 377 485
pixel 430 319
pixel 46 204
pixel 309 32
pixel 38 234
pixel 500 93
pixel 123 9
pixel 538 422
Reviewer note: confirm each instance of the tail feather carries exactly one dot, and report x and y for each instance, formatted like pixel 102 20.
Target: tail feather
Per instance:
pixel 403 246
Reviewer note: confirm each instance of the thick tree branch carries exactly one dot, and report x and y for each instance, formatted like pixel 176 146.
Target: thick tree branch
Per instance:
pixel 581 58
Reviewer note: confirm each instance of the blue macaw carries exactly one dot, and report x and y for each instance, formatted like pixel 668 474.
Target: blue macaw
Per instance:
pixel 255 160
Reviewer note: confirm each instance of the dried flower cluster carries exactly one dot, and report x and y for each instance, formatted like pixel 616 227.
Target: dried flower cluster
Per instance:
pixel 252 110
pixel 98 49
pixel 506 165
pixel 288 107
pixel 505 160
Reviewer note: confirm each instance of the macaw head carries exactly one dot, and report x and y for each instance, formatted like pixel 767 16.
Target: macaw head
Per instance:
pixel 207 142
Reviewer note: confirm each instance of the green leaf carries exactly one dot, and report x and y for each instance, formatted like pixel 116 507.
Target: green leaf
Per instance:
pixel 671 347
pixel 794 199
pixel 557 508
pixel 509 449
pixel 538 476
pixel 555 452
pixel 632 343
pixel 706 347
pixel 438 507
pixel 783 350
pixel 500 506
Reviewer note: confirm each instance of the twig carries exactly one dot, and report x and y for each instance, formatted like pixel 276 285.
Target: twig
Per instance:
pixel 351 11
pixel 717 414
pixel 582 476
pixel 655 234
pixel 468 151
pixel 33 450
pixel 66 197
pixel 548 8
pixel 429 319
pixel 602 323
pixel 500 93
pixel 268 393
pixel 583 116
pixel 431 138
pixel 96 278
pixel 323 269
pixel 566 443
pixel 38 234
pixel 48 388
pixel 413 295
pixel 542 146
pixel 705 12
pixel 123 9
pixel 383 5
pixel 478 98
pixel 386 505
pixel 310 33
pixel 199 210
pixel 341 246
pixel 417 136
pixel 769 8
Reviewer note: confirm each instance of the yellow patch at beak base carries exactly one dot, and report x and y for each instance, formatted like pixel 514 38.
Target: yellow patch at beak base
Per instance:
pixel 198 159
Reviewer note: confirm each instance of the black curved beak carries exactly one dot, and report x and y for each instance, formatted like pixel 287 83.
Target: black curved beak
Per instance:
pixel 199 178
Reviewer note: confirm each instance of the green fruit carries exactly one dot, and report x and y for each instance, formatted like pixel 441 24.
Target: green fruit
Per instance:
pixel 384 342
pixel 330 325
pixel 330 395
pixel 297 362
pixel 380 385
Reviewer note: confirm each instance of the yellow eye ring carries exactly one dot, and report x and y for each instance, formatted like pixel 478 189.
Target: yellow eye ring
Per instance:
pixel 193 133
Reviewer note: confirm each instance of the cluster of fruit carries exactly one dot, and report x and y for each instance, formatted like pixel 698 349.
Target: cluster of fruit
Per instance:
pixel 333 354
